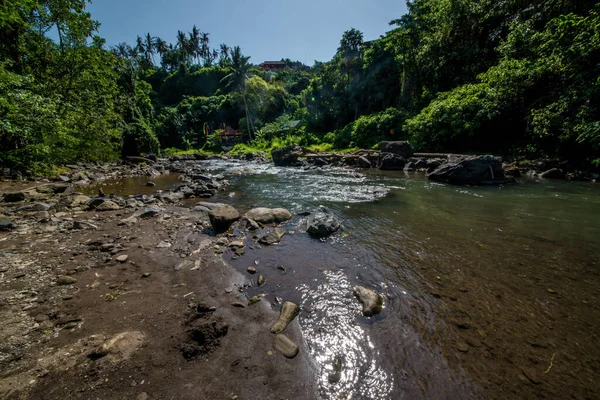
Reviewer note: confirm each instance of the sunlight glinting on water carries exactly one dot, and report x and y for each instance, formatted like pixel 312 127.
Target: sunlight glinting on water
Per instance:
pixel 340 343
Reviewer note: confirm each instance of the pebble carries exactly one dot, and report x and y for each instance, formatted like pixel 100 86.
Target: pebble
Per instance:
pixel 142 396
pixel 238 304
pixel 163 245
pixel 551 291
pixel 228 290
pixel 122 258
pixel 473 342
pixel 251 270
pixel 261 280
pixel 462 347
pixel 145 274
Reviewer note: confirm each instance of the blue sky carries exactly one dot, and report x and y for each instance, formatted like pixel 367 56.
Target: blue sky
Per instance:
pixel 304 30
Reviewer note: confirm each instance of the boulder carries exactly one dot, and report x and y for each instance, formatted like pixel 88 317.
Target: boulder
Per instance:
pixel 474 170
pixel 222 217
pixel 403 149
pixel 14 197
pixel 78 200
pixel 152 157
pixel 107 205
pixel 265 215
pixel 322 223
pixel 554 173
pixel 6 225
pixel 286 156
pixel 390 161
pixel 272 237
pixel 372 302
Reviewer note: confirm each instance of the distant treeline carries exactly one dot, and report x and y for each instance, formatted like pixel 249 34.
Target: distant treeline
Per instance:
pixel 517 78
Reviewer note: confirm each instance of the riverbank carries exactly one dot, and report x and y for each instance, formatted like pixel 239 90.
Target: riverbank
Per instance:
pixel 114 303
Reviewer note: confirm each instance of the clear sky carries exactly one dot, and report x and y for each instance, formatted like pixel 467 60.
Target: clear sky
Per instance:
pixel 266 30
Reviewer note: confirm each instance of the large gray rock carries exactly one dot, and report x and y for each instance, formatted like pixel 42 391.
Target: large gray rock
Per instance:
pixel 6 225
pixel 147 212
pixel 286 156
pixel 265 215
pixel 372 302
pixel 390 161
pixel 322 223
pixel 222 217
pixel 475 170
pixel 107 205
pixel 403 149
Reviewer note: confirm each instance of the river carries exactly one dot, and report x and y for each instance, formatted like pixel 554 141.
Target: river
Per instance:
pixel 491 292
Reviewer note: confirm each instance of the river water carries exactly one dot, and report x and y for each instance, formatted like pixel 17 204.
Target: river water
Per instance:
pixel 490 292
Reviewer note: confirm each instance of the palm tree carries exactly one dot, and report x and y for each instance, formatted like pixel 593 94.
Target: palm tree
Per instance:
pixel 149 46
pixel 195 42
pixel 160 46
pixel 183 46
pixel 139 46
pixel 224 58
pixel 237 79
pixel 204 49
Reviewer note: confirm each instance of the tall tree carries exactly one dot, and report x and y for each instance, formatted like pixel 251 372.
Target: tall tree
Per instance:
pixel 237 80
pixel 194 43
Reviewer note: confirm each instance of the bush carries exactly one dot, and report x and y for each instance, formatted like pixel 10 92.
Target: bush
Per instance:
pixel 139 139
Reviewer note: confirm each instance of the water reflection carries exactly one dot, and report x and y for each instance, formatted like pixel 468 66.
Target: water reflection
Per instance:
pixel 340 343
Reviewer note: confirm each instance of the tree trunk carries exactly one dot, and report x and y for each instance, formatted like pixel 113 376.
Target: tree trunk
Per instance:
pixel 250 133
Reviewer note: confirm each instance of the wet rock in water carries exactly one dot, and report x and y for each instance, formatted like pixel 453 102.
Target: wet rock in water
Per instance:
pixel 322 223
pixel 251 270
pixel 6 225
pixel 285 346
pixel 554 173
pixel 390 161
pixel 66 280
pixel 336 375
pixel 265 215
pixel 261 280
pixel 403 149
pixel 288 312
pixel 272 237
pixel 372 302
pixel 122 258
pixel 34 207
pixel 254 299
pixel 13 197
pixel 82 225
pixel 478 170
pixel 222 217
pixel 286 156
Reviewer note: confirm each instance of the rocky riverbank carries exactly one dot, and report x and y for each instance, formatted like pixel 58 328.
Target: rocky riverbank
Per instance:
pixel 128 297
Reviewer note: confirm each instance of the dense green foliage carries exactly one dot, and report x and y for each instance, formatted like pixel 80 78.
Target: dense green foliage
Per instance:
pixel 508 77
